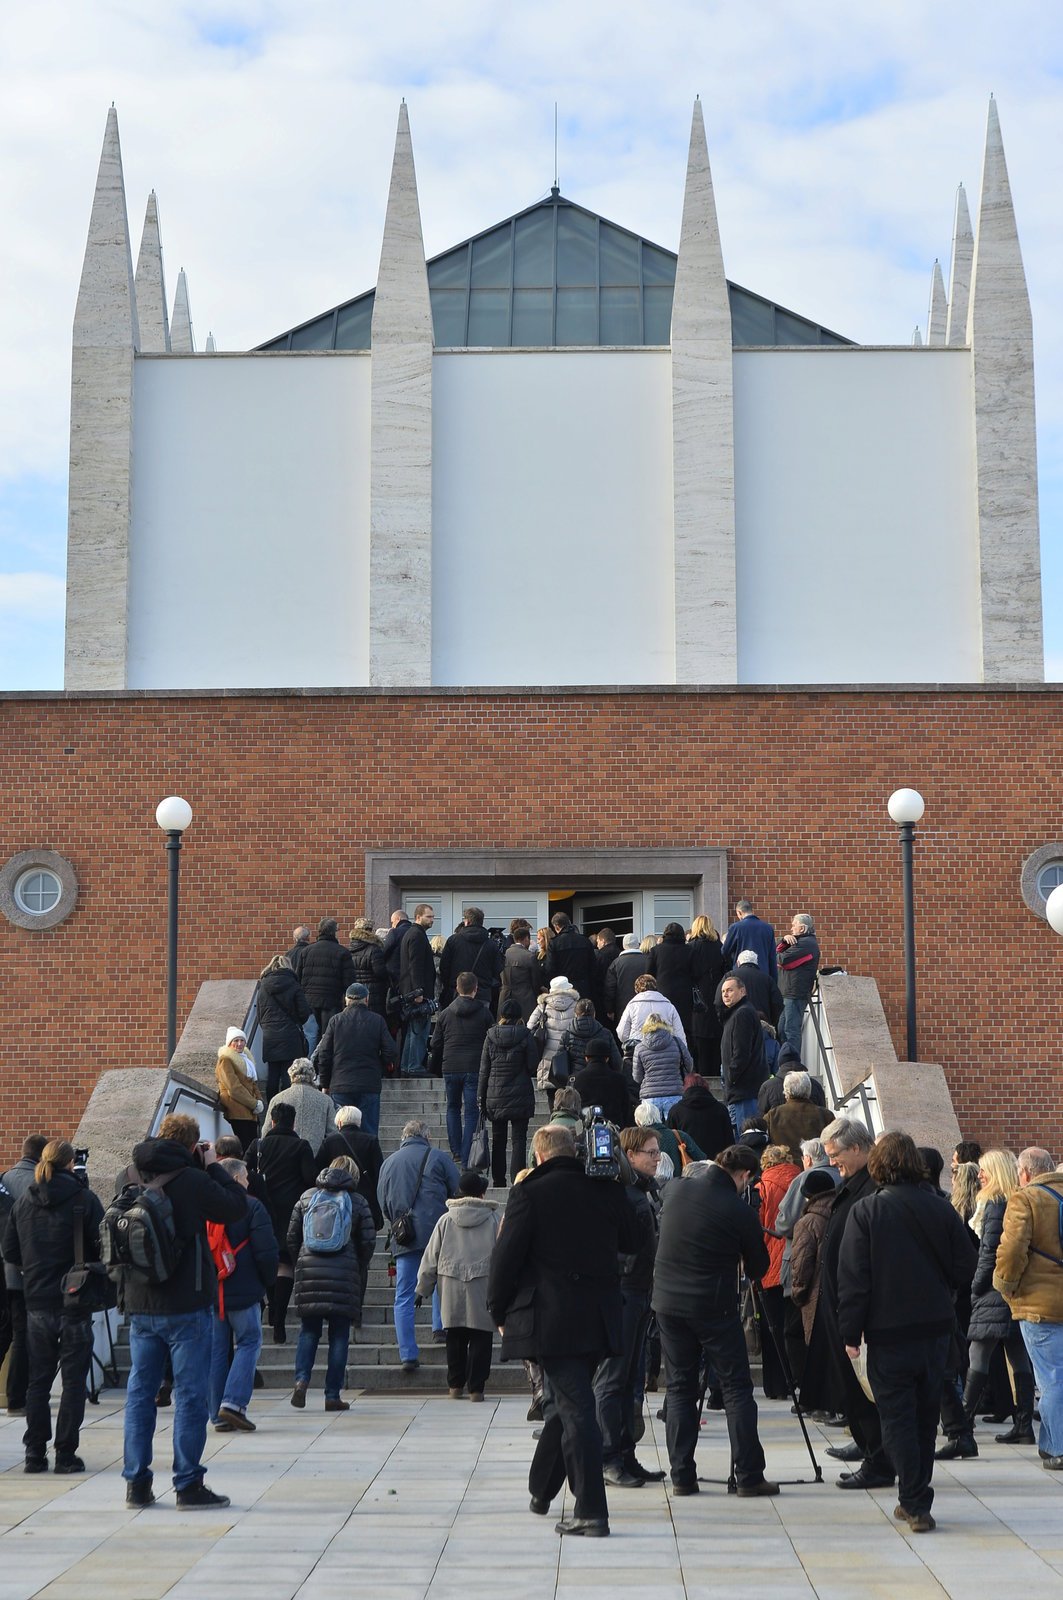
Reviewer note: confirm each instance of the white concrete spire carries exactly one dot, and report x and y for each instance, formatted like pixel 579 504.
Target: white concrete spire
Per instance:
pixel 151 284
pixel 1000 333
pixel 706 637
pixel 210 345
pixel 105 338
pixel 400 517
pixel 937 314
pixel 917 336
pixel 182 338
pixel 960 271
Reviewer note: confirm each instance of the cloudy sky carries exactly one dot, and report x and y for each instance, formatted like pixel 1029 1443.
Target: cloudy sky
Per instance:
pixel 838 134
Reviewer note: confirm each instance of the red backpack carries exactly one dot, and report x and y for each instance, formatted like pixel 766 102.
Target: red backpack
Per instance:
pixel 223 1253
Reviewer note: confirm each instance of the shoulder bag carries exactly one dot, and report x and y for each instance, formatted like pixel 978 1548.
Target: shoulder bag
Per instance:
pixel 403 1228
pixel 87 1286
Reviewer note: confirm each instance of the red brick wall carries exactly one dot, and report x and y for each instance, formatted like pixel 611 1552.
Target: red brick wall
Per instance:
pixel 289 791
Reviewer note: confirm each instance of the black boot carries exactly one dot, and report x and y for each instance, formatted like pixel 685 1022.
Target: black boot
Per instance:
pixel 961 1447
pixel 972 1395
pixel 282 1293
pixel 1021 1430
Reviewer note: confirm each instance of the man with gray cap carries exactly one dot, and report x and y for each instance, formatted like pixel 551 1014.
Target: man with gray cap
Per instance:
pixel 351 1057
pixel 619 986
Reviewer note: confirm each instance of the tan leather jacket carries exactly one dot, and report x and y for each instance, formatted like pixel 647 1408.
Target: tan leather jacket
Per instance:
pixel 237 1092
pixel 1030 1282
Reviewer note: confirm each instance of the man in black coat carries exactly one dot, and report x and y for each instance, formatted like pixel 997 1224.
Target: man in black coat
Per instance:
pixel 457 1049
pixel 707 1231
pixel 830 1384
pixel 364 1148
pixel 606 951
pixel 351 1057
pixel 772 1092
pixel 327 971
pixel 554 1291
pixel 742 1064
pixel 417 978
pixel 392 946
pixel 601 1083
pixel 470 948
pixel 176 1316
pixel 629 964
pixel 763 991
pixel 15 1181
pixel 297 953
pixel 571 956
pixel 705 1118
pixel 903 1308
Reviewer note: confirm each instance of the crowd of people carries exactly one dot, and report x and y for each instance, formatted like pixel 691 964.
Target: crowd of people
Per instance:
pixel 654 1226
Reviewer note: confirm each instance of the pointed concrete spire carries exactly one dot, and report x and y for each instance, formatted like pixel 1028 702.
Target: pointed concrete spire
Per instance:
pixel 938 314
pixel 960 273
pixel 1000 333
pixel 706 649
pixel 106 312
pixel 151 284
pixel 400 516
pixel 182 339
pixel 101 432
pixel 917 336
pixel 210 346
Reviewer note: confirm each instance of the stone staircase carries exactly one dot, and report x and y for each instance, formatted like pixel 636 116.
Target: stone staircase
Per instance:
pixel 373 1363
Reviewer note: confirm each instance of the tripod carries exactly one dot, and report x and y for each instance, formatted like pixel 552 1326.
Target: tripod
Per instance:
pixel 791 1387
pixel 109 1375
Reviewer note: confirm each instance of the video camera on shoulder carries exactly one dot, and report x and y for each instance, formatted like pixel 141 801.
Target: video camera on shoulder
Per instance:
pixel 601 1157
pixel 418 1005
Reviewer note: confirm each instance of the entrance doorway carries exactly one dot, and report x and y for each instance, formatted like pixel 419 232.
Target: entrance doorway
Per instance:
pixel 635 910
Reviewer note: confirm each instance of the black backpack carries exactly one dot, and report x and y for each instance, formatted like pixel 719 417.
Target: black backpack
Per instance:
pixel 138 1233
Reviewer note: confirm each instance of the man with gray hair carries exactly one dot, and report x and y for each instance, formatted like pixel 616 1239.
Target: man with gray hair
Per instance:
pixel 365 1151
pixel 798 955
pixel 830 1382
pixel 1029 1274
pixel 416 1182
pixel 798 1117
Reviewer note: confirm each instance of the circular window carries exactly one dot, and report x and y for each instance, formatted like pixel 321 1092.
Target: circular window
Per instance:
pixel 1041 873
pixel 38 891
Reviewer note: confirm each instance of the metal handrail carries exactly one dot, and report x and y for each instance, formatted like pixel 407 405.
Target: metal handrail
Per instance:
pixel 863 1093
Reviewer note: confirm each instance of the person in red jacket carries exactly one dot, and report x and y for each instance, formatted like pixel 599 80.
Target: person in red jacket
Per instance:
pixel 777 1172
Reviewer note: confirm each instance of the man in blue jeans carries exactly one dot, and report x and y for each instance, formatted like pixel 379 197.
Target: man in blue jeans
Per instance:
pixel 417 1179
pixel 239 1318
pixel 176 1317
pixel 352 1055
pixel 457 1046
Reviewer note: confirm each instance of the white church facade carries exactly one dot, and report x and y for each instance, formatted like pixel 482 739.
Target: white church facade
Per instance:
pixel 555 455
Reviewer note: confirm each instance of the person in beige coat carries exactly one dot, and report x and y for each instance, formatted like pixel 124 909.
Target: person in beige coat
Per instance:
pixel 1029 1274
pixel 457 1260
pixel 238 1093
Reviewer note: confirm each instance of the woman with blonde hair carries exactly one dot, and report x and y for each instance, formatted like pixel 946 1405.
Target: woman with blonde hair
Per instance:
pixel 41 1239
pixel 707 968
pixel 991 1321
pixel 965 1189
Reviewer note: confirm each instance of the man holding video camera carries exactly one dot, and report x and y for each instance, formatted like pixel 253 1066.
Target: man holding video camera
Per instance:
pixel 554 1292
pixel 708 1230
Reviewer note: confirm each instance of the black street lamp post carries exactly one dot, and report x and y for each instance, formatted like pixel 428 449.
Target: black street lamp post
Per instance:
pixel 173 816
pixel 906 808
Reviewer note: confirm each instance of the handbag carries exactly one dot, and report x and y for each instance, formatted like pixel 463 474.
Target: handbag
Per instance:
pixel 751 1324
pixel 403 1227
pixel 698 1000
pixel 560 1065
pixel 480 1149
pixel 87 1285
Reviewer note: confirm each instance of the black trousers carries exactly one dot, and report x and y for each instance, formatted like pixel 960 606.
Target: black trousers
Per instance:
pixel 616 1380
pixel 62 1344
pixel 794 1337
pixel 718 1331
pixel 570 1444
pixel 468 1359
pixel 906 1379
pixel 519 1152
pixel 18 1364
pixel 772 1341
pixel 277 1077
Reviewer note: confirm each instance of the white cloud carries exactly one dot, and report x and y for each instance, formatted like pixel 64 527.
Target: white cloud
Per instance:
pixel 31 597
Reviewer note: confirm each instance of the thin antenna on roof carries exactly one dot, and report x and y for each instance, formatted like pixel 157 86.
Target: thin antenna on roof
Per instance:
pixel 555 190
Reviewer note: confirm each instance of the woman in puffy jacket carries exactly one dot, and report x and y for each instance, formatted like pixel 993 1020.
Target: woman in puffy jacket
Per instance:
pixel 991 1321
pixel 282 1010
pixel 550 1021
pixel 505 1092
pixel 370 968
pixel 585 1027
pixel 330 1283
pixel 660 1062
pixel 777 1172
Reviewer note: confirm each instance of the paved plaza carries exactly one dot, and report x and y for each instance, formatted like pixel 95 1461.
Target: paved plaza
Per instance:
pixel 419 1498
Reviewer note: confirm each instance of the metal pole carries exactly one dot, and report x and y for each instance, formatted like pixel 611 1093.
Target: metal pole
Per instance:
pixel 173 860
pixel 907 843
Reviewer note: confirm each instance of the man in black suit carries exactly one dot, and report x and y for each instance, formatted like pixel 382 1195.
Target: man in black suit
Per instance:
pixel 554 1291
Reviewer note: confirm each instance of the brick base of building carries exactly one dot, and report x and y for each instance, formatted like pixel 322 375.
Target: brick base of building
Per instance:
pixel 291 790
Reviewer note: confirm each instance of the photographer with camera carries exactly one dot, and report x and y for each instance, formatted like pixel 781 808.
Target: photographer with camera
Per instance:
pixel 42 1239
pixel 708 1231
pixel 554 1293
